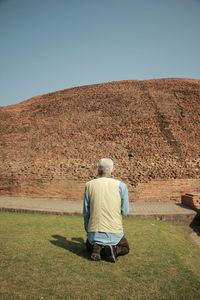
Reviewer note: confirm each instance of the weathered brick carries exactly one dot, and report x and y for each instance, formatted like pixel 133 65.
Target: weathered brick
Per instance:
pixel 50 144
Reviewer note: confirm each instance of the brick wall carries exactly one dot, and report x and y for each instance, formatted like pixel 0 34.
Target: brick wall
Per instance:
pixel 60 189
pixel 156 190
pixel 165 190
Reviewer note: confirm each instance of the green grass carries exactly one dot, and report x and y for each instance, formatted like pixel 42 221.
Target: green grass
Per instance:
pixel 44 257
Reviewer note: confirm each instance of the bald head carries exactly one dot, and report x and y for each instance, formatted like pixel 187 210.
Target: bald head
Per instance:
pixel 105 166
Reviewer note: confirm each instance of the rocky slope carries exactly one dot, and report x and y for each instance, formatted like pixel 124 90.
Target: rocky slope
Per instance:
pixel 149 128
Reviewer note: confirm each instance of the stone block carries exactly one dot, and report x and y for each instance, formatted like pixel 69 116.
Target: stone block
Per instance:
pixel 191 200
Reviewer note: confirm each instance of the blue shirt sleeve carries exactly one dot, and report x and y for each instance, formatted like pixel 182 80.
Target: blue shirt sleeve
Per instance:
pixel 124 197
pixel 86 209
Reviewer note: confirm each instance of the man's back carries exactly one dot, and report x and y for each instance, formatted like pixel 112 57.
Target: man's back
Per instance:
pixel 105 205
pixel 105 200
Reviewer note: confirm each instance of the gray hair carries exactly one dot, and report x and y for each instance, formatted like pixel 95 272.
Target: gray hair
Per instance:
pixel 105 166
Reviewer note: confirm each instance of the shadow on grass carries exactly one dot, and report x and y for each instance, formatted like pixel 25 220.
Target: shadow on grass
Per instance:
pixel 76 246
pixel 195 225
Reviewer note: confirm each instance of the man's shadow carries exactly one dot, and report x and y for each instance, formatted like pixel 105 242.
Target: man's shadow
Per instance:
pixel 76 246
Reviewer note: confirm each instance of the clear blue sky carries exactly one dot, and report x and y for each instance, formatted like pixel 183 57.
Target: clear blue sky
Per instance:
pixel 49 45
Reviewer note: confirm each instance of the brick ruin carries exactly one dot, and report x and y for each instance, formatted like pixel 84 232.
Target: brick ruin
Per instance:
pixel 50 144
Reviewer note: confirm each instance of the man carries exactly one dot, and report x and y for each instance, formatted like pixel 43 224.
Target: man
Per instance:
pixel 105 201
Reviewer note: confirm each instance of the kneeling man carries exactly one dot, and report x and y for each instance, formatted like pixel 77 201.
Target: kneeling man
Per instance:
pixel 105 201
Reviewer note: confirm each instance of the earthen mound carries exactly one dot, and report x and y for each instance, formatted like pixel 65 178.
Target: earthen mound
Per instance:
pixel 50 144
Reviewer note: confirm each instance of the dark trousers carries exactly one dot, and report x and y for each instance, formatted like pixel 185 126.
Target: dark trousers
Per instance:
pixel 122 247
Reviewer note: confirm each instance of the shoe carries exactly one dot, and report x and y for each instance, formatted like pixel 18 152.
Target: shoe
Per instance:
pixel 96 252
pixel 110 253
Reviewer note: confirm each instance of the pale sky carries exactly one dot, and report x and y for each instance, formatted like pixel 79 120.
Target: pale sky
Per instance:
pixel 49 45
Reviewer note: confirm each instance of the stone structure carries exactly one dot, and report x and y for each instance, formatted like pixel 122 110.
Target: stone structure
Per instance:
pixel 50 144
pixel 191 200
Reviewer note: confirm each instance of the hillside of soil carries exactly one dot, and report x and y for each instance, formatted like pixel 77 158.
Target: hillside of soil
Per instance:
pixel 151 129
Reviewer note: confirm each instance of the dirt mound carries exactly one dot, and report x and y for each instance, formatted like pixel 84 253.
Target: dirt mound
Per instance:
pixel 150 129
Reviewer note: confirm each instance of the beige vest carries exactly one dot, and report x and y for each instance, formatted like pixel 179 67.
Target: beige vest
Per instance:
pixel 105 205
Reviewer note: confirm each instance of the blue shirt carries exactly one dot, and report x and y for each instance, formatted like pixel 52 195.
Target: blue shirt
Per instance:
pixel 105 238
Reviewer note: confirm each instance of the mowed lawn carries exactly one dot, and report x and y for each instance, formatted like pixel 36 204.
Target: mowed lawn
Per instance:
pixel 44 257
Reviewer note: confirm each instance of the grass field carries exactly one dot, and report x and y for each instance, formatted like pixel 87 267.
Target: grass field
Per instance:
pixel 44 257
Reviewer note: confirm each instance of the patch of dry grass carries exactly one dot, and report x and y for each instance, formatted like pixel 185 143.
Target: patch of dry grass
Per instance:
pixel 44 257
